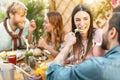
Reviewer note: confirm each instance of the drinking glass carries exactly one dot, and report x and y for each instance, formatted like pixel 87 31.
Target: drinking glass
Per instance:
pixel 7 71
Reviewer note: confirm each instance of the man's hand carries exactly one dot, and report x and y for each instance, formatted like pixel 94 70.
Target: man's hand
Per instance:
pixel 31 28
pixel 70 38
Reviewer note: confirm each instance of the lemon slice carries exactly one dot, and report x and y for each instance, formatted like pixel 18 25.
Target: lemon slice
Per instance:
pixel 3 54
pixel 44 66
pixel 12 54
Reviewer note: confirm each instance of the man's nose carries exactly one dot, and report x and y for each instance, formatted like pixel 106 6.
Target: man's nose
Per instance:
pixel 24 19
pixel 43 24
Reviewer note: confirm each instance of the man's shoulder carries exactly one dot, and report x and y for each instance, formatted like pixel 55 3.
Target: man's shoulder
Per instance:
pixel 1 26
pixel 1 23
pixel 113 56
pixel 97 60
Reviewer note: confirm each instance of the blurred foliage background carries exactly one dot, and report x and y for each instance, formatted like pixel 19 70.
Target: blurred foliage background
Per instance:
pixel 36 11
pixel 101 10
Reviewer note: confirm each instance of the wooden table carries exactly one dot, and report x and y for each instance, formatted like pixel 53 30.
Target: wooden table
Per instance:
pixel 19 76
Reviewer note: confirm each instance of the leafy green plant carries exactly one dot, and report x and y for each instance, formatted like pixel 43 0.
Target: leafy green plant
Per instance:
pixel 3 6
pixel 2 16
pixel 36 11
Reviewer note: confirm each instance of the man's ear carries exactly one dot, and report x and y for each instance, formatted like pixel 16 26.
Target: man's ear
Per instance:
pixel 11 15
pixel 113 33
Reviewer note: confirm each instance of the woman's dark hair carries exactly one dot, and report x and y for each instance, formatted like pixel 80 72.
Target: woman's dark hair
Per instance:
pixel 78 35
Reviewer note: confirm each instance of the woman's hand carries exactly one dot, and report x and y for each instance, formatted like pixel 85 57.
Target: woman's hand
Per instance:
pixel 42 43
pixel 70 38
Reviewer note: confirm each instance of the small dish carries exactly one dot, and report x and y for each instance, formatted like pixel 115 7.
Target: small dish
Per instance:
pixel 20 55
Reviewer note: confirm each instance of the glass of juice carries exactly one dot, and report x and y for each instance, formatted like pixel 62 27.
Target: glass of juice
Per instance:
pixel 12 58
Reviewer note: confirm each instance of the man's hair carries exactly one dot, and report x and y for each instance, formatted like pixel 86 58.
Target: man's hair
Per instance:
pixel 115 21
pixel 15 7
pixel 117 9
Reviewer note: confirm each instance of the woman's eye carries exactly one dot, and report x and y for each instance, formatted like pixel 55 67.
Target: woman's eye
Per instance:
pixel 85 18
pixel 77 19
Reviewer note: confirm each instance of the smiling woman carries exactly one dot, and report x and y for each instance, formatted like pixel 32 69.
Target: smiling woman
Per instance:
pixel 86 36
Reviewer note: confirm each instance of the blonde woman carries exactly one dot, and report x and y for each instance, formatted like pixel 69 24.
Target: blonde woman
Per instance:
pixel 53 33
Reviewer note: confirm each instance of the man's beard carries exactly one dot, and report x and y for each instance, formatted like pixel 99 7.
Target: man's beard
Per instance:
pixel 18 26
pixel 104 44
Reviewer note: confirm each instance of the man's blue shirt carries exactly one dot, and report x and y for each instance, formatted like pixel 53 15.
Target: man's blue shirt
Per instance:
pixel 97 68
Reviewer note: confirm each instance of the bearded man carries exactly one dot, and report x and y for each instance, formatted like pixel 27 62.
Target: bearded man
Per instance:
pixel 14 26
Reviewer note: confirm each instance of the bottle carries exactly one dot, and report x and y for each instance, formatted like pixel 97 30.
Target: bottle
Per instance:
pixel 27 54
pixel 32 62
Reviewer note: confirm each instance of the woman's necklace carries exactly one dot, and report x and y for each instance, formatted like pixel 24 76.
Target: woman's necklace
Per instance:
pixel 82 51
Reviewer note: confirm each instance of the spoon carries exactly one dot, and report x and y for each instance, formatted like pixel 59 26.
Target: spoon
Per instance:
pixel 26 42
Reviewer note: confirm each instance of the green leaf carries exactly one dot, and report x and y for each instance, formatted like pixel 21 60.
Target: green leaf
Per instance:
pixel 36 12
